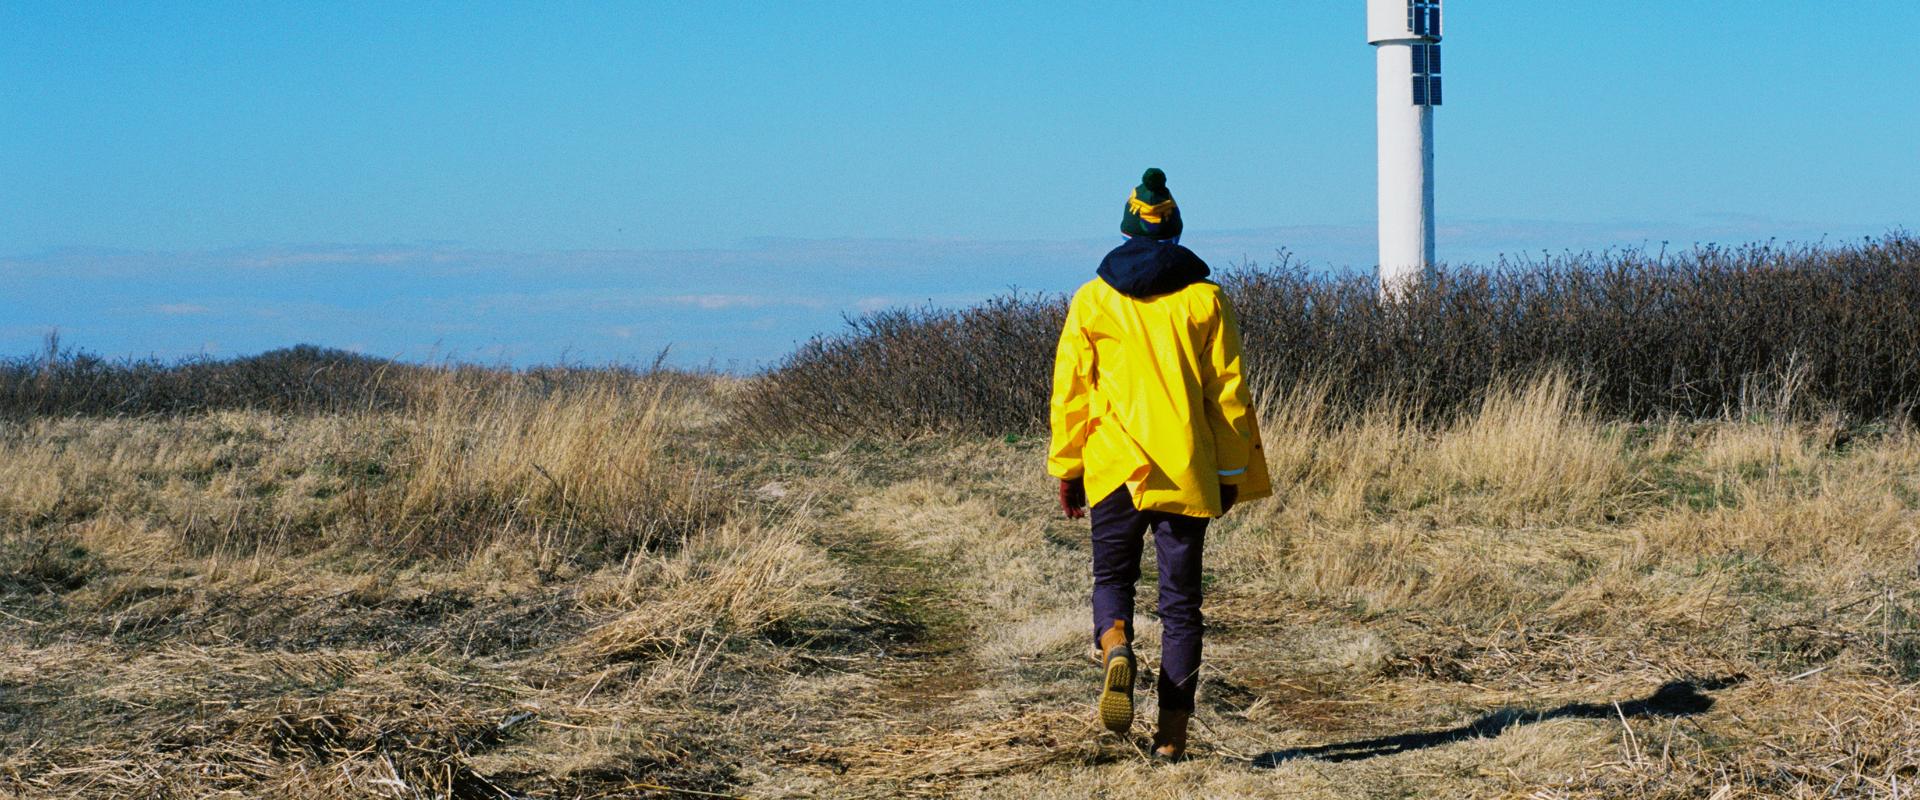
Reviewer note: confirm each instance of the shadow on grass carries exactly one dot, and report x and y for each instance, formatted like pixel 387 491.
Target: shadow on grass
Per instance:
pixel 1673 699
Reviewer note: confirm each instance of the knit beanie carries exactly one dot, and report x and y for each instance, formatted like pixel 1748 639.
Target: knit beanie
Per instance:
pixel 1150 210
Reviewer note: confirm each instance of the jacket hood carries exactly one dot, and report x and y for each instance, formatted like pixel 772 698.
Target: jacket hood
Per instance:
pixel 1142 267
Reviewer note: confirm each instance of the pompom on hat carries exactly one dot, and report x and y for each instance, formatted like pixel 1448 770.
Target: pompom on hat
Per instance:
pixel 1151 212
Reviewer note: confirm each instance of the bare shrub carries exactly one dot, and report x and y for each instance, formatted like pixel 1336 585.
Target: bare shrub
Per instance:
pixel 61 381
pixel 1713 331
pixel 302 378
pixel 984 370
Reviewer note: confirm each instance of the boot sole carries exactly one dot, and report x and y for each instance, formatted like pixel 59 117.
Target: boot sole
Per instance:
pixel 1116 696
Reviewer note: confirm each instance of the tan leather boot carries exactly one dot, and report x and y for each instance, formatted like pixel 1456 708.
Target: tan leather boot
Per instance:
pixel 1116 686
pixel 1170 741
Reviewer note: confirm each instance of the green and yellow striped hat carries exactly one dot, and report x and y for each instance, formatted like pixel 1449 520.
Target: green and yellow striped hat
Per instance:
pixel 1151 211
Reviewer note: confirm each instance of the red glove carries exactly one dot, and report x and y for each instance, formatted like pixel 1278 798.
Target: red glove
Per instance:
pixel 1073 498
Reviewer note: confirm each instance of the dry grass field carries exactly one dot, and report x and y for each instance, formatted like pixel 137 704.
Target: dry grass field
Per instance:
pixel 612 590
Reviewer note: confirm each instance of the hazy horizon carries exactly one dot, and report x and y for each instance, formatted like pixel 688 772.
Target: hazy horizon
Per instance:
pixel 721 308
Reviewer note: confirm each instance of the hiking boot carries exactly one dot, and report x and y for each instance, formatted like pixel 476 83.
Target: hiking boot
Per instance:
pixel 1142 673
pixel 1116 688
pixel 1170 741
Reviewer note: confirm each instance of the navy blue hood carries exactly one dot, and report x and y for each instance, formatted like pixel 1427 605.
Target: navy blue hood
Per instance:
pixel 1143 267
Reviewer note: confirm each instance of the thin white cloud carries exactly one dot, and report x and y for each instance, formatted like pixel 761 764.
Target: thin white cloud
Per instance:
pixel 180 309
pixel 717 302
pixel 328 255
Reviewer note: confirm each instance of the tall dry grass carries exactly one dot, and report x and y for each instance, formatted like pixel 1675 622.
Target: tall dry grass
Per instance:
pixel 517 588
pixel 579 471
pixel 737 579
pixel 1532 453
pixel 511 584
pixel 1533 506
pixel 503 588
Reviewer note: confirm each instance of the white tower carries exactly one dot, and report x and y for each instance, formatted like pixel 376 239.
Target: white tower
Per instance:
pixel 1405 35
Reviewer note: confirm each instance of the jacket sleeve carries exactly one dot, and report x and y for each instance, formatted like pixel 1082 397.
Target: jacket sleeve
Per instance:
pixel 1070 411
pixel 1236 436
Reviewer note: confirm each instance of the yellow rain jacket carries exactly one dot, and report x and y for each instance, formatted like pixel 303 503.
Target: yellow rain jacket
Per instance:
pixel 1148 393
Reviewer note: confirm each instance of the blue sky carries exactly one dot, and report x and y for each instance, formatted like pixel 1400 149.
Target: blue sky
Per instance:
pixel 524 182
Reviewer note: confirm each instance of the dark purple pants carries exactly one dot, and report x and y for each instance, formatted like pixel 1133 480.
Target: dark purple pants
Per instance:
pixel 1177 539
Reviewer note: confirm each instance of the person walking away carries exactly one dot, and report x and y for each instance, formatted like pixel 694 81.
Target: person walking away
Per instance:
pixel 1151 414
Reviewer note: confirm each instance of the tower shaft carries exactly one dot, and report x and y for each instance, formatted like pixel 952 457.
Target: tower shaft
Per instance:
pixel 1405 132
pixel 1405 35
